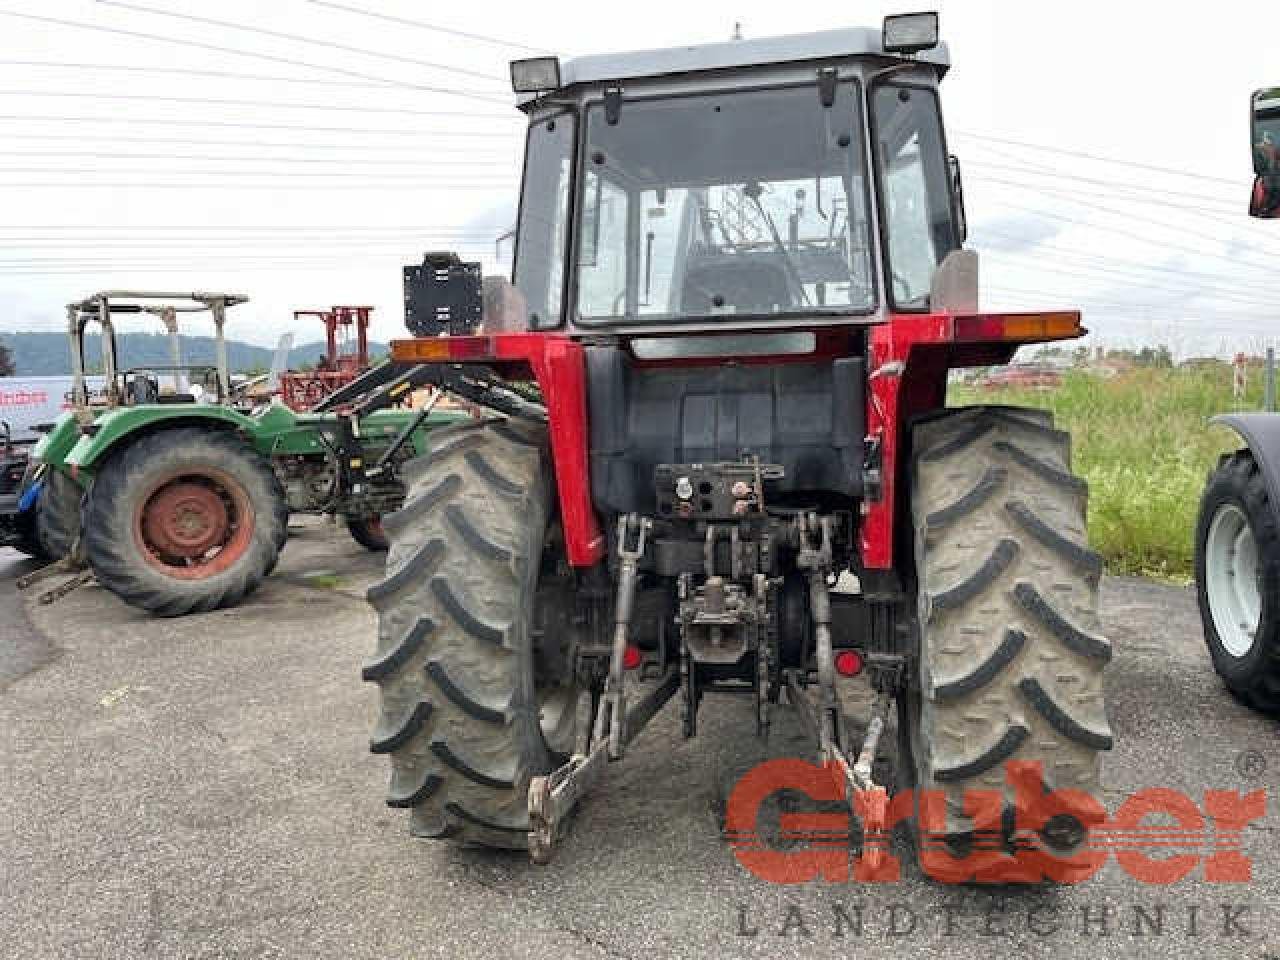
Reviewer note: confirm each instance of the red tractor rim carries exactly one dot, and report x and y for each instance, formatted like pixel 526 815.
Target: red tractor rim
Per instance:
pixel 194 524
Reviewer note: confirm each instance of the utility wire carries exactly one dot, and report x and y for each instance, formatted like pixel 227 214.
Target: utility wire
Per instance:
pixel 1074 178
pixel 197 186
pixel 223 75
pixel 296 38
pixel 1104 274
pixel 287 243
pixel 274 104
pixel 248 227
pixel 422 151
pixel 1071 254
pixel 1096 157
pixel 200 45
pixel 241 125
pixel 1215 214
pixel 1073 197
pixel 427 26
pixel 1141 238
pixel 202 171
pixel 423 165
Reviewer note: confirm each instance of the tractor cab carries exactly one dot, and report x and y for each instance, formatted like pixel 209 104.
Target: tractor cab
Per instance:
pixel 779 183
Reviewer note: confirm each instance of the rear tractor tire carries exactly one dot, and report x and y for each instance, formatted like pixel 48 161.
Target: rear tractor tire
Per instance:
pixel 471 707
pixel 1011 659
pixel 57 515
pixel 367 531
pixel 184 521
pixel 1238 581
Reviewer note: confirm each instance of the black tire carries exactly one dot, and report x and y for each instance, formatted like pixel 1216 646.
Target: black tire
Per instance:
pixel 368 532
pixel 1011 660
pixel 1252 674
pixel 57 515
pixel 124 562
pixel 462 707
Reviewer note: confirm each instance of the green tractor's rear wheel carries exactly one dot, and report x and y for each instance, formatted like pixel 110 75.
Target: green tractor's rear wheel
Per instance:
pixel 473 701
pixel 367 531
pixel 1011 661
pixel 184 521
pixel 1238 581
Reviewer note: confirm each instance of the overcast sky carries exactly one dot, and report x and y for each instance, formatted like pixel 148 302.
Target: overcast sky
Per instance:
pixel 315 152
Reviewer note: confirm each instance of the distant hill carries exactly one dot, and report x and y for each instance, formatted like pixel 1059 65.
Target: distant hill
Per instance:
pixel 46 354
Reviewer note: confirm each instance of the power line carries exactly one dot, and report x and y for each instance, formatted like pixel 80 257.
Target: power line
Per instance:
pixel 79 229
pixel 296 38
pixel 427 26
pixel 1075 197
pixel 289 243
pixel 223 75
pixel 425 165
pixel 197 186
pixel 1098 158
pixel 274 104
pixel 203 171
pixel 1216 214
pixel 241 125
pixel 1059 175
pixel 1108 228
pixel 200 45
pixel 469 150
pixel 1070 253
pixel 1112 275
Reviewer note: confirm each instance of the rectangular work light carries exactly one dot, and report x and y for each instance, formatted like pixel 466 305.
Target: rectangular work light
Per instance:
pixel 910 32
pixel 535 74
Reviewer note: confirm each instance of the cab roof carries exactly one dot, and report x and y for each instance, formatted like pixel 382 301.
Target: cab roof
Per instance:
pixel 795 48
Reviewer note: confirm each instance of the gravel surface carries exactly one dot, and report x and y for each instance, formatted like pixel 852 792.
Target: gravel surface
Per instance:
pixel 202 788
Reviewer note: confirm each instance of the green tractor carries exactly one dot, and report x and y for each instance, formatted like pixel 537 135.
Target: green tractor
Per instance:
pixel 177 498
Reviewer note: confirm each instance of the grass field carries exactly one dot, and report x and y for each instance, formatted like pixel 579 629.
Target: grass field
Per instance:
pixel 1143 442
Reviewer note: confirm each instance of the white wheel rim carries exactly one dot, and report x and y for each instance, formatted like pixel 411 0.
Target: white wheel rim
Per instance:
pixel 1231 580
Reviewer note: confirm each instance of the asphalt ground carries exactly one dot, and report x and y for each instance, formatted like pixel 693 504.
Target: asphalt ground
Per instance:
pixel 202 788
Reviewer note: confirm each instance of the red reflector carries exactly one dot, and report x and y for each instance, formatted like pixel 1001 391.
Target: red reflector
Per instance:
pixel 632 658
pixel 848 663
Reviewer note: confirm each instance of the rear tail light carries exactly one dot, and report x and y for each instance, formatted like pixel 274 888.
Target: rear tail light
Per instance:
pixel 439 349
pixel 1061 325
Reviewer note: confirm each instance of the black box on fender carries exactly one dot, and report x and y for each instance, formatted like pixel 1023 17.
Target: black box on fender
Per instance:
pixel 442 295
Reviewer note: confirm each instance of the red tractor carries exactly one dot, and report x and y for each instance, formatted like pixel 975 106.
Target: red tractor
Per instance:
pixel 719 459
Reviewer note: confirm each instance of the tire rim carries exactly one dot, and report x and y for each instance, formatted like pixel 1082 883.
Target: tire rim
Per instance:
pixel 1231 580
pixel 192 526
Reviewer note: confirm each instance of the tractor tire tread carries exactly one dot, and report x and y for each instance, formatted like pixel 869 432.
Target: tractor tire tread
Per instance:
pixel 1003 676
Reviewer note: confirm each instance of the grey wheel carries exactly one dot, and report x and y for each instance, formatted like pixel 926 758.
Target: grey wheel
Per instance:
pixel 469 710
pixel 1238 581
pixel 1011 659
